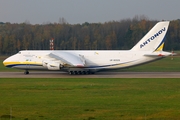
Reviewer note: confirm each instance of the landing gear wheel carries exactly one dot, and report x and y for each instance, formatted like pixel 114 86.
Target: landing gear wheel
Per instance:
pixel 70 72
pixel 26 72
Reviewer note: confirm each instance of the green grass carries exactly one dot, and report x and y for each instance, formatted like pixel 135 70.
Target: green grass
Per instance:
pixel 90 99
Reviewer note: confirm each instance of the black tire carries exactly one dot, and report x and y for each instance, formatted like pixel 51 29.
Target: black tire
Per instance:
pixel 26 72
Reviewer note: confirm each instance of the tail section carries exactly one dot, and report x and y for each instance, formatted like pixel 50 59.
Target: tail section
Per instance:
pixel 154 39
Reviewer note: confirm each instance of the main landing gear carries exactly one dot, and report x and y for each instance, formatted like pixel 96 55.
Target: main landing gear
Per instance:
pixel 80 72
pixel 26 72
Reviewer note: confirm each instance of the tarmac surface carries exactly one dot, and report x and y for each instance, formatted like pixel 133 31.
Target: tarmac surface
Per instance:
pixel 57 74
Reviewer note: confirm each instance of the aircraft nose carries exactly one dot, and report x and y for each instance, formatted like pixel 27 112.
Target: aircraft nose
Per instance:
pixel 5 62
pixel 10 61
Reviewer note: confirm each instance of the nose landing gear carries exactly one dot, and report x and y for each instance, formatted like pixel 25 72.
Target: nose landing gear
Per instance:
pixel 26 72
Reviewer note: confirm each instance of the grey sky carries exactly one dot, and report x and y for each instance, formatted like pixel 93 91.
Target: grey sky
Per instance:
pixel 80 11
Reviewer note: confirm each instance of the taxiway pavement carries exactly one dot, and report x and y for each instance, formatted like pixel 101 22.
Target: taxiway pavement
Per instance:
pixel 54 74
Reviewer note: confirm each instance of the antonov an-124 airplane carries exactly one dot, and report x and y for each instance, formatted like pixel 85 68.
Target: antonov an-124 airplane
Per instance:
pixel 149 48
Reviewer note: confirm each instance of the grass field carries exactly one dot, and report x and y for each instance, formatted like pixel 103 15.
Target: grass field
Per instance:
pixel 93 99
pixel 89 99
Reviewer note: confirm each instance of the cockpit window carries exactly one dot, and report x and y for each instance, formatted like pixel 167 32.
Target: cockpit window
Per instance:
pixel 19 53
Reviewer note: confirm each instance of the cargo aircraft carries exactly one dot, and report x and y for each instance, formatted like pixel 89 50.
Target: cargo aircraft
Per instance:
pixel 149 48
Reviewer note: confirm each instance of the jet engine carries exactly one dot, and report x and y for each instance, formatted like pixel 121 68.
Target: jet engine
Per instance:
pixel 52 65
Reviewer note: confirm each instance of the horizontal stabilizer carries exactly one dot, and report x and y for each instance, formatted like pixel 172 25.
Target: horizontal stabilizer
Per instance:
pixel 160 54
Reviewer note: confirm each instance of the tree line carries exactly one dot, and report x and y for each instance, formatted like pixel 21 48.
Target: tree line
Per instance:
pixel 113 35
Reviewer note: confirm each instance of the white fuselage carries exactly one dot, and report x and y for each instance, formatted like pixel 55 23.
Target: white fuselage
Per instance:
pixel 94 60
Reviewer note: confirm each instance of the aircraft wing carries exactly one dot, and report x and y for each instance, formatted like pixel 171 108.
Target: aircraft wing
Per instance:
pixel 69 58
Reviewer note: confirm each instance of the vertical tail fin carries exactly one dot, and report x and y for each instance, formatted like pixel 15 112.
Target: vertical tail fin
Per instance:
pixel 154 39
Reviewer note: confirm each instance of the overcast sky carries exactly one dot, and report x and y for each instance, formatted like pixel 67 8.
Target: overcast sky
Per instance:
pixel 80 11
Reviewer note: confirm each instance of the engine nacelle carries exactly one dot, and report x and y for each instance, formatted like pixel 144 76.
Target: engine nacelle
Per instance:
pixel 52 65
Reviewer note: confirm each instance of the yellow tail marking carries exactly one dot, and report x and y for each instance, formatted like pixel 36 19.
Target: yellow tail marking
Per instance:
pixel 160 47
